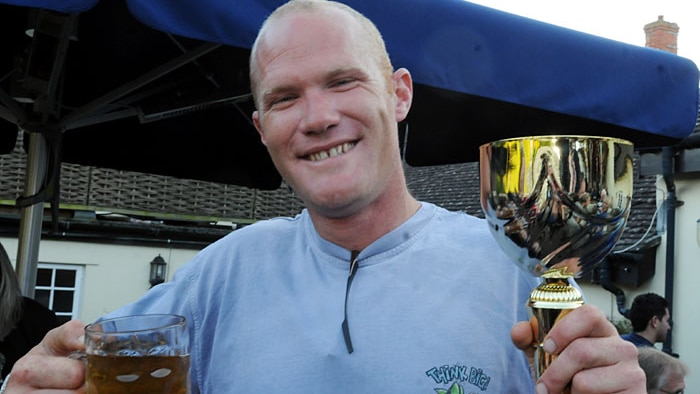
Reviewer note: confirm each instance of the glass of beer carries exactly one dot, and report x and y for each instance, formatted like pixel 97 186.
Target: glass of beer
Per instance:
pixel 138 354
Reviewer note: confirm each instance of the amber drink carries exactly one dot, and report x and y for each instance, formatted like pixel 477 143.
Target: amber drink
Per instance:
pixel 138 354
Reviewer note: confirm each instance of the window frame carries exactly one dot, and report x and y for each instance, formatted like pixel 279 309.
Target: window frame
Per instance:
pixel 77 288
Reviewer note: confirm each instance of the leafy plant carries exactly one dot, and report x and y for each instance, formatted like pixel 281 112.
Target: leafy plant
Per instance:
pixel 454 389
pixel 623 325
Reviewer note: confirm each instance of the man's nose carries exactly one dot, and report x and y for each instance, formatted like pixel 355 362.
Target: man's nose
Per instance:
pixel 319 113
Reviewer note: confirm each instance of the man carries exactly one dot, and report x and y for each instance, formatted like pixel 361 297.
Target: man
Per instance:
pixel 367 290
pixel 650 319
pixel 665 374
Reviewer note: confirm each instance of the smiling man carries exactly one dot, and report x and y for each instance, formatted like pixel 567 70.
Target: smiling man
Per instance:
pixel 328 111
pixel 367 290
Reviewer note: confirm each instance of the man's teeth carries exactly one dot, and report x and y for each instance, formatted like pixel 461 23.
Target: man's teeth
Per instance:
pixel 332 152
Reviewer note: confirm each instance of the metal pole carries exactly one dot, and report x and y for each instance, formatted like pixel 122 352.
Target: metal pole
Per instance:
pixel 671 204
pixel 32 216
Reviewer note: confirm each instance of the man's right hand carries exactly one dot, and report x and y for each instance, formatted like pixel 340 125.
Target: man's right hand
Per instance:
pixel 47 365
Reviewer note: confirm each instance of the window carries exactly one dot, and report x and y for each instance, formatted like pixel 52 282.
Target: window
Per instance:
pixel 58 288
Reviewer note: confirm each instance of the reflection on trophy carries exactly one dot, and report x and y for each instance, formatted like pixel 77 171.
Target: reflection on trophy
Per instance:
pixel 556 205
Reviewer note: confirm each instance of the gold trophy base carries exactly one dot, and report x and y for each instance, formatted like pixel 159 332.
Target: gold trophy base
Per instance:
pixel 551 301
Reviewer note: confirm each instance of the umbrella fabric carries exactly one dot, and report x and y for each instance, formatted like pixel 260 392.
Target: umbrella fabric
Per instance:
pixel 481 74
pixel 191 122
pixel 467 48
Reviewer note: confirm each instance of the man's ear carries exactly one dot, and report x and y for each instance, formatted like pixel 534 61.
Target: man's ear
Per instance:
pixel 403 92
pixel 258 127
pixel 654 321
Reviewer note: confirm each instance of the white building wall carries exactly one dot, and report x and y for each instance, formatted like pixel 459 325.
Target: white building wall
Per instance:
pixel 114 274
pixel 686 297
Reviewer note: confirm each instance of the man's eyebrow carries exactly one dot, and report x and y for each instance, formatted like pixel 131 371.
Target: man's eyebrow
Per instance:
pixel 277 90
pixel 338 72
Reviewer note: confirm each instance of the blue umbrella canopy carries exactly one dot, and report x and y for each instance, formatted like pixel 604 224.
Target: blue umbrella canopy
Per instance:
pixel 470 49
pixel 481 74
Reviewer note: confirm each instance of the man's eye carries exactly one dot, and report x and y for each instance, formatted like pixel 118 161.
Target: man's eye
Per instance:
pixel 284 98
pixel 280 100
pixel 342 82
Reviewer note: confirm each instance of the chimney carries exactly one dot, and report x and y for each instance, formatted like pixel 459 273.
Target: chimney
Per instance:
pixel 662 35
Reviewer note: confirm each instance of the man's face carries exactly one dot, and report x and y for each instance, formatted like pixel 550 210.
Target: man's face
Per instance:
pixel 326 112
pixel 663 326
pixel 675 382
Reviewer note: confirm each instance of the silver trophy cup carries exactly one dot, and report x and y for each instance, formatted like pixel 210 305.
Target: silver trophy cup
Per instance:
pixel 556 205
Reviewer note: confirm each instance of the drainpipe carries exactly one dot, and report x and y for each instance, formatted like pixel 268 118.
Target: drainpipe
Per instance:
pixel 607 284
pixel 692 141
pixel 671 204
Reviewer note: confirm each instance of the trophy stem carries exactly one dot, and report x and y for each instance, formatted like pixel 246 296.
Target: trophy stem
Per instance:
pixel 551 301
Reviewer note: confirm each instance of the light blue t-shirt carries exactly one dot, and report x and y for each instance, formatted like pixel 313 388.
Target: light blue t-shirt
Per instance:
pixel 430 308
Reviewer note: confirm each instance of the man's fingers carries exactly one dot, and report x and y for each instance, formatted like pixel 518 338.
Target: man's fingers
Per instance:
pixel 62 340
pixel 585 321
pixel 39 372
pixel 524 334
pixel 593 370
pixel 47 364
pixel 591 356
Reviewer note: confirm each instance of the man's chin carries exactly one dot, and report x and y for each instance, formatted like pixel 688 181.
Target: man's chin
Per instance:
pixel 336 205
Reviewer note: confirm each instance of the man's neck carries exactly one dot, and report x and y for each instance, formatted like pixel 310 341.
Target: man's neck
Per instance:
pixel 648 335
pixel 357 231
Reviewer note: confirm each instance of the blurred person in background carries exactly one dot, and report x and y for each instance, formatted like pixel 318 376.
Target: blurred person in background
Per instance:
pixel 23 321
pixel 651 320
pixel 664 374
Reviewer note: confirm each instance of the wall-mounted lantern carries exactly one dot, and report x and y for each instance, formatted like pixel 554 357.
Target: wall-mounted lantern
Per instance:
pixel 157 271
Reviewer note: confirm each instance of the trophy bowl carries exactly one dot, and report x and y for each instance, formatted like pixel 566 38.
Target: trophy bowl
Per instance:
pixel 556 206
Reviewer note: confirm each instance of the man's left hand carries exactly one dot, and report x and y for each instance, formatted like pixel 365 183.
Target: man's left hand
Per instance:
pixel 591 355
